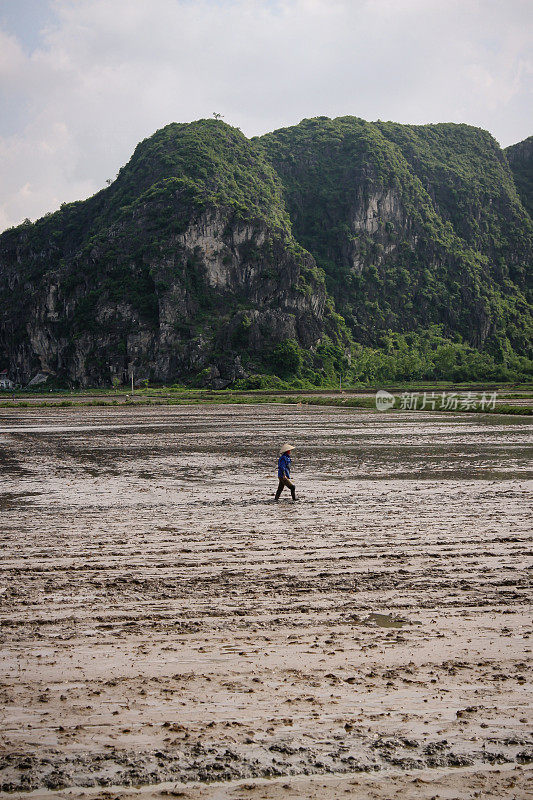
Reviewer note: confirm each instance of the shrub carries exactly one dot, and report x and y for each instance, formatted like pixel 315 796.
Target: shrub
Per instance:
pixel 286 358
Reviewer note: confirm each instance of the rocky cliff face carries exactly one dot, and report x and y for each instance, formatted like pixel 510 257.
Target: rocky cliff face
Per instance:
pixel 218 286
pixel 209 251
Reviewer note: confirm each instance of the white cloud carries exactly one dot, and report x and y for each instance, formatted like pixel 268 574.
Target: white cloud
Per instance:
pixel 110 72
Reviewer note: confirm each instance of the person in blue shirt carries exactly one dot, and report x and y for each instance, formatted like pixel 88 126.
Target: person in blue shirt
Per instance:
pixel 284 472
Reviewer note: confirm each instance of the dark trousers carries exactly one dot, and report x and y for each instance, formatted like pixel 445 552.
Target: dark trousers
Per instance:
pixel 289 484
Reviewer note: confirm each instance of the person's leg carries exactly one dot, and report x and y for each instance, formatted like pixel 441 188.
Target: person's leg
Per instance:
pixel 292 487
pixel 280 489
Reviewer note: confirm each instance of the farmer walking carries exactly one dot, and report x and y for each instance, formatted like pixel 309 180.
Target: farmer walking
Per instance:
pixel 284 472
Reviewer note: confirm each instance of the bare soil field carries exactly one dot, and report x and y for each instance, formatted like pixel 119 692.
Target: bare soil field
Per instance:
pixel 169 631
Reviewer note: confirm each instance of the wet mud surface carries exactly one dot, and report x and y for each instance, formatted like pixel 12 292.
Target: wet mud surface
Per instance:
pixel 163 620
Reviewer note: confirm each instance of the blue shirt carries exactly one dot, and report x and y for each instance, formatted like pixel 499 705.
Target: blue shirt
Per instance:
pixel 284 466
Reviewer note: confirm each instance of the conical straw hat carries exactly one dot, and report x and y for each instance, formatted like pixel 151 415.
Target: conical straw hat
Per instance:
pixel 286 447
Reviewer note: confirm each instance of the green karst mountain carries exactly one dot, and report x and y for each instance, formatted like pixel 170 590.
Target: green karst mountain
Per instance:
pixel 375 251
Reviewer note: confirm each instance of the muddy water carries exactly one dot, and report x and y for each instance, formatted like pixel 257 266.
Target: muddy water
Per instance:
pixel 162 619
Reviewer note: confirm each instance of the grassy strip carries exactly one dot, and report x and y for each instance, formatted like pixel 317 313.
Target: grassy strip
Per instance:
pixel 363 402
pixel 510 390
pixel 212 399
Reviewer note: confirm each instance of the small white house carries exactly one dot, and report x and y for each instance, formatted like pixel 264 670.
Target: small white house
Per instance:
pixel 5 383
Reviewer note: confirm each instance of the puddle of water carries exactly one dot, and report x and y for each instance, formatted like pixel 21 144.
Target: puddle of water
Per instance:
pixel 384 621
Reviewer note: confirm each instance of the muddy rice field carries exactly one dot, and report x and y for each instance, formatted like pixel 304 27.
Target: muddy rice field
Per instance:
pixel 169 631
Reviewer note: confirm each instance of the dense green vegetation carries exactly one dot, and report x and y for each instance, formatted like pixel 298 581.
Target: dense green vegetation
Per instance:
pixel 520 158
pixel 422 355
pixel 334 250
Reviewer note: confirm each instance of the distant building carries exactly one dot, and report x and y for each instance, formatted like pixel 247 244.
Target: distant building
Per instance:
pixel 5 382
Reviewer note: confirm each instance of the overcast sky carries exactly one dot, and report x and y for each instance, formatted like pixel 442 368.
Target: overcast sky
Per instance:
pixel 82 81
